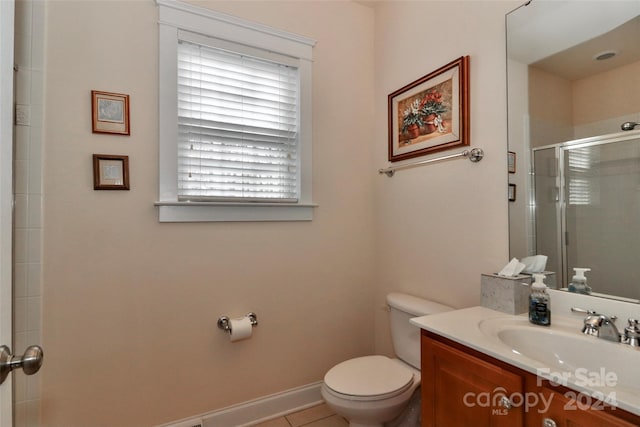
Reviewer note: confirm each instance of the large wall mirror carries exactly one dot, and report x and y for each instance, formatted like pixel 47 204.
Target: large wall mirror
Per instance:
pixel 573 85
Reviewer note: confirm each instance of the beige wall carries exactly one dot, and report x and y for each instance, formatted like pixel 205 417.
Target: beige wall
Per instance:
pixel 562 110
pixel 607 95
pixel 550 108
pixel 130 305
pixel 439 226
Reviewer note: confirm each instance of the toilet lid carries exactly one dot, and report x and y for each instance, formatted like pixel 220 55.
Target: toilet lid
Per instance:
pixel 369 376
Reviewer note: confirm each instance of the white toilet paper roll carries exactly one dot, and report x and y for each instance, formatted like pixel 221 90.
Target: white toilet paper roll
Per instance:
pixel 240 329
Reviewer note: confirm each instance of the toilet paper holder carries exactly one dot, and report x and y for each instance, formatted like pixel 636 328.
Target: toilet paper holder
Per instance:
pixel 223 322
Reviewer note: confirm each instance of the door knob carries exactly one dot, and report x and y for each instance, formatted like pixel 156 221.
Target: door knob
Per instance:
pixel 30 361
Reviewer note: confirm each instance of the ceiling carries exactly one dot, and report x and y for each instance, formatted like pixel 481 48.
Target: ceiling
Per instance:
pixel 579 61
pixel 563 36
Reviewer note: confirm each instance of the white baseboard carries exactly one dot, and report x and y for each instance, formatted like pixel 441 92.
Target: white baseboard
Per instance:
pixel 259 410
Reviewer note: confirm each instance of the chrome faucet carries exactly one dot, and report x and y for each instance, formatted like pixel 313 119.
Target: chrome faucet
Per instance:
pixel 632 333
pixel 603 327
pixel 599 325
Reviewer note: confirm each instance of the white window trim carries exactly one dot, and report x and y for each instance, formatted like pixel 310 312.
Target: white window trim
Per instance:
pixel 175 16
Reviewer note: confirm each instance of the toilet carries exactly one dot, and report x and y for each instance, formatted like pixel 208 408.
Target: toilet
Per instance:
pixel 370 391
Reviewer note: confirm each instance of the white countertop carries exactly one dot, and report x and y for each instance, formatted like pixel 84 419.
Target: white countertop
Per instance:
pixel 465 327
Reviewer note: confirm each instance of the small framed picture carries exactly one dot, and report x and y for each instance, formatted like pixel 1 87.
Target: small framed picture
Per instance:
pixel 110 172
pixel 511 162
pixel 512 192
pixel 110 112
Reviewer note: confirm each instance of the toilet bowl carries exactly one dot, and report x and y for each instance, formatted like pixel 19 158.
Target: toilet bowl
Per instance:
pixel 370 391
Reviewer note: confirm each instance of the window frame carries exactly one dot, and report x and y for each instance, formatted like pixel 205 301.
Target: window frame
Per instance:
pixel 175 17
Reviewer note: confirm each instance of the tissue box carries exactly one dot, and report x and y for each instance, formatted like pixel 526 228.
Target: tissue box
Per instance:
pixel 506 294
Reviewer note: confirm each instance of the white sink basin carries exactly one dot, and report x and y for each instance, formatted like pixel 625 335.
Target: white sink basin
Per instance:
pixel 565 355
pixel 561 353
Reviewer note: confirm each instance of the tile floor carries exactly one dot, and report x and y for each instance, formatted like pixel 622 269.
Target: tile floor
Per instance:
pixel 316 416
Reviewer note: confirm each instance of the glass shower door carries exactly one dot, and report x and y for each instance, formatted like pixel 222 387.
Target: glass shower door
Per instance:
pixel 602 214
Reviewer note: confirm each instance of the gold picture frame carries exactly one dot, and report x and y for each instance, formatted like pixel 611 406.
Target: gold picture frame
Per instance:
pixel 110 112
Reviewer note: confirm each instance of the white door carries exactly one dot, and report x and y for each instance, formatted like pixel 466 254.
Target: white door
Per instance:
pixel 6 194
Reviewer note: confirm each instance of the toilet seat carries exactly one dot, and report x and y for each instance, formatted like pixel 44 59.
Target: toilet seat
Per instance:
pixel 369 378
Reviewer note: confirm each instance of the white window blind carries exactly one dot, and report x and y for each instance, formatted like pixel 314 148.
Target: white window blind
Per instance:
pixel 238 127
pixel 583 185
pixel 235 119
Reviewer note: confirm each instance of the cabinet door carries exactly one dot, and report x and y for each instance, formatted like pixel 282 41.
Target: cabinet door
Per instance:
pixel 461 390
pixel 571 410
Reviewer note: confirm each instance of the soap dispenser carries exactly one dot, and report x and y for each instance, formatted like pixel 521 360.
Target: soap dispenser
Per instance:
pixel 579 282
pixel 539 302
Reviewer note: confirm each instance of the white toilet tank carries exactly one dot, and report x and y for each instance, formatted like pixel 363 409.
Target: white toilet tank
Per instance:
pixel 406 337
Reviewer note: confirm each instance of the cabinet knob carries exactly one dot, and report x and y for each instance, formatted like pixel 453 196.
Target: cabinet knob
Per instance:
pixel 548 422
pixel 505 403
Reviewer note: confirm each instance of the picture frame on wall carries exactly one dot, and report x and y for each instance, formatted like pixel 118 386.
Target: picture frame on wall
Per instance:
pixel 511 162
pixel 110 112
pixel 430 114
pixel 110 172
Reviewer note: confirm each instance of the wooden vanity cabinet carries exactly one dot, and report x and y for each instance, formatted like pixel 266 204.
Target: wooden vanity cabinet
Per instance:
pixel 458 388
pixel 462 387
pixel 570 409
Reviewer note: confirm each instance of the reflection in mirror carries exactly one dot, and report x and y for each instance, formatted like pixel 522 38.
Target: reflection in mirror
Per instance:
pixel 573 80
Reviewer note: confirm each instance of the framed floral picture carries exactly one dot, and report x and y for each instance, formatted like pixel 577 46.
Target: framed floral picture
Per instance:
pixel 430 114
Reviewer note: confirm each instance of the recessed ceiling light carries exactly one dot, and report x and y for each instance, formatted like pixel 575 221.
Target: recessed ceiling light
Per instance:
pixel 605 55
